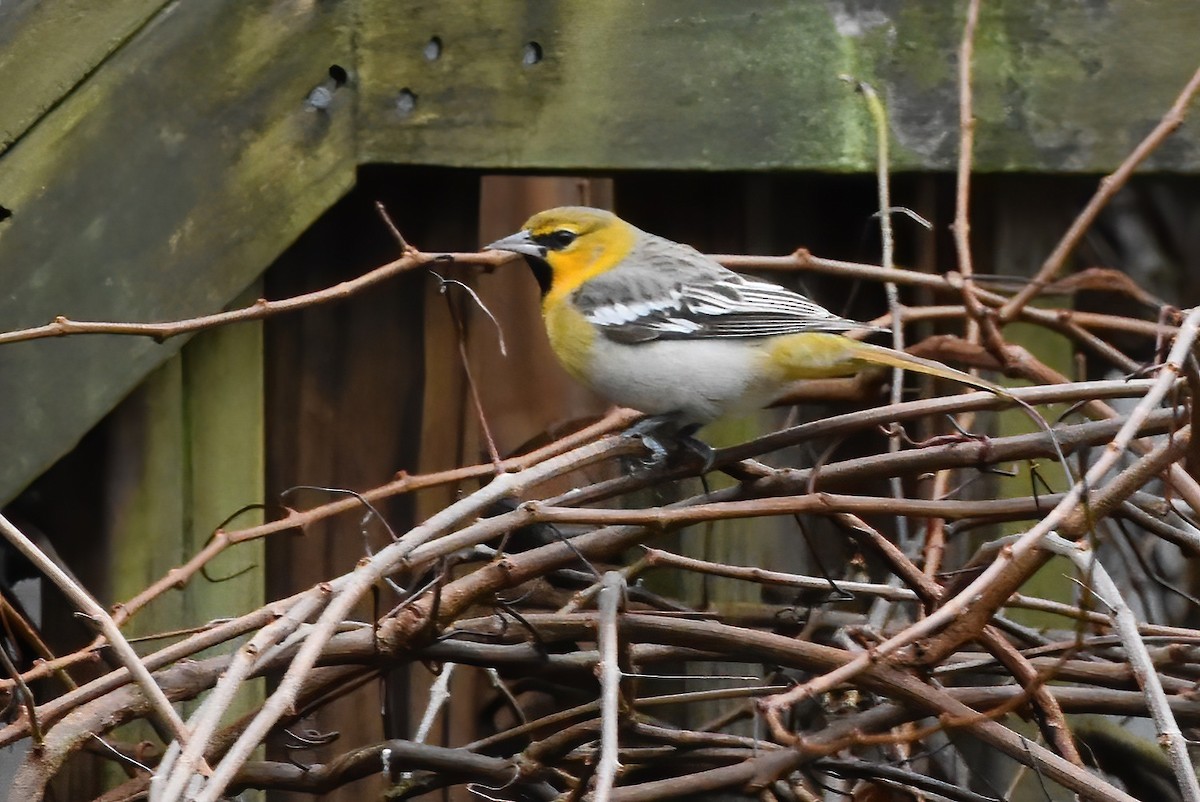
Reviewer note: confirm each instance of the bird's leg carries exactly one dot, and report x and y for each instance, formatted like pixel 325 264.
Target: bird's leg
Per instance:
pixel 650 430
pixel 664 434
pixel 689 441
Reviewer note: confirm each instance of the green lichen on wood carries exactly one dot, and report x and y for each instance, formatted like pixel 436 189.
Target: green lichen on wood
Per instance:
pixel 48 46
pixel 187 452
pixel 755 85
pixel 159 189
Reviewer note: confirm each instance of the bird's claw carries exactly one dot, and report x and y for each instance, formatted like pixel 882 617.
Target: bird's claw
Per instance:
pixel 663 437
pixel 701 449
pixel 647 430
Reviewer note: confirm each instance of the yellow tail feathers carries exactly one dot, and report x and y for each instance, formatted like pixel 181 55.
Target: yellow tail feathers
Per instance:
pixel 820 355
pixel 890 357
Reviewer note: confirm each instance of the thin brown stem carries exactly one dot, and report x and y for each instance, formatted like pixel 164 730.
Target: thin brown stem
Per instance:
pixel 1109 186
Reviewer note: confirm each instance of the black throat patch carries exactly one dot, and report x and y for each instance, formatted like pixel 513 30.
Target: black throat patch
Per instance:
pixel 541 272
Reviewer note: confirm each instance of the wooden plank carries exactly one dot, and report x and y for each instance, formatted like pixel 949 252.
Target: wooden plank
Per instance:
pixel 160 189
pixel 344 397
pixel 753 85
pixel 545 397
pixel 185 451
pixel 48 46
pixel 145 478
pixel 225 464
pixel 524 395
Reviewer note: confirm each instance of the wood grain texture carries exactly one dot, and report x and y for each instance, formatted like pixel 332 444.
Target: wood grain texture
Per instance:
pixel 185 451
pixel 757 85
pixel 47 47
pixel 159 189
pixel 345 409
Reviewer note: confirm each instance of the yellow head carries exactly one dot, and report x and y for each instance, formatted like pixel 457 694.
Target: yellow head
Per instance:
pixel 569 245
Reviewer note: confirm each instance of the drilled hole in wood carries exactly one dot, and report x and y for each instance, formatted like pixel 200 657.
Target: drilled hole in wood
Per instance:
pixel 339 75
pixel 406 101
pixel 5 213
pixel 433 49
pixel 532 54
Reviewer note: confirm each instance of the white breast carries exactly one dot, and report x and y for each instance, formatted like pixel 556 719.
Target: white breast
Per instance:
pixel 700 379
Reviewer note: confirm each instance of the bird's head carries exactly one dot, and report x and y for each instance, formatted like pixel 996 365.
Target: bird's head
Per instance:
pixel 569 245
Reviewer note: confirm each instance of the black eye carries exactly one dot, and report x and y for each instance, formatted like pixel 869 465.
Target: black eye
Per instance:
pixel 556 240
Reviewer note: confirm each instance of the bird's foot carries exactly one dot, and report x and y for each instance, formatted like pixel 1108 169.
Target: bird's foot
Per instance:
pixel 706 453
pixel 664 437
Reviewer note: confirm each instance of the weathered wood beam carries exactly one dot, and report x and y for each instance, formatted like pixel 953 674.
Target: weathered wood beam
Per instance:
pixel 756 84
pixel 47 47
pixel 160 188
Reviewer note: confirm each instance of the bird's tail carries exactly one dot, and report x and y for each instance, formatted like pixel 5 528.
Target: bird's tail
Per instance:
pixel 890 357
pixel 813 355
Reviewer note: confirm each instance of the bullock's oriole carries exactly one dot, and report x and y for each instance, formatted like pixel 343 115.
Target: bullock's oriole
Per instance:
pixel 655 325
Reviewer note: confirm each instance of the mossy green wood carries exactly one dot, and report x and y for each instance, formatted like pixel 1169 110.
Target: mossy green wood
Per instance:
pixel 224 430
pixel 146 497
pixel 49 46
pixel 159 189
pixel 710 84
pixel 187 452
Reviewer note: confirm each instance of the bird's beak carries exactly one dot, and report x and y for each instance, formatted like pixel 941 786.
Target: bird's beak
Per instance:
pixel 521 243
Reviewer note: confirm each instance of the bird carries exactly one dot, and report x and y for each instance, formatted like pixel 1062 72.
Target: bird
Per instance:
pixel 656 325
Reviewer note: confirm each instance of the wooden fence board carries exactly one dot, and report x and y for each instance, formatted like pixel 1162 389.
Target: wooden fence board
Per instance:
pixel 158 190
pixel 757 84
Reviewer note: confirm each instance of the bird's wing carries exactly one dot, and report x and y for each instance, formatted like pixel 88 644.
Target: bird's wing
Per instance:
pixel 673 292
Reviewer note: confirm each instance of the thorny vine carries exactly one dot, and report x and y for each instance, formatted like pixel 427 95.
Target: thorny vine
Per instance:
pixel 535 635
pixel 934 670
